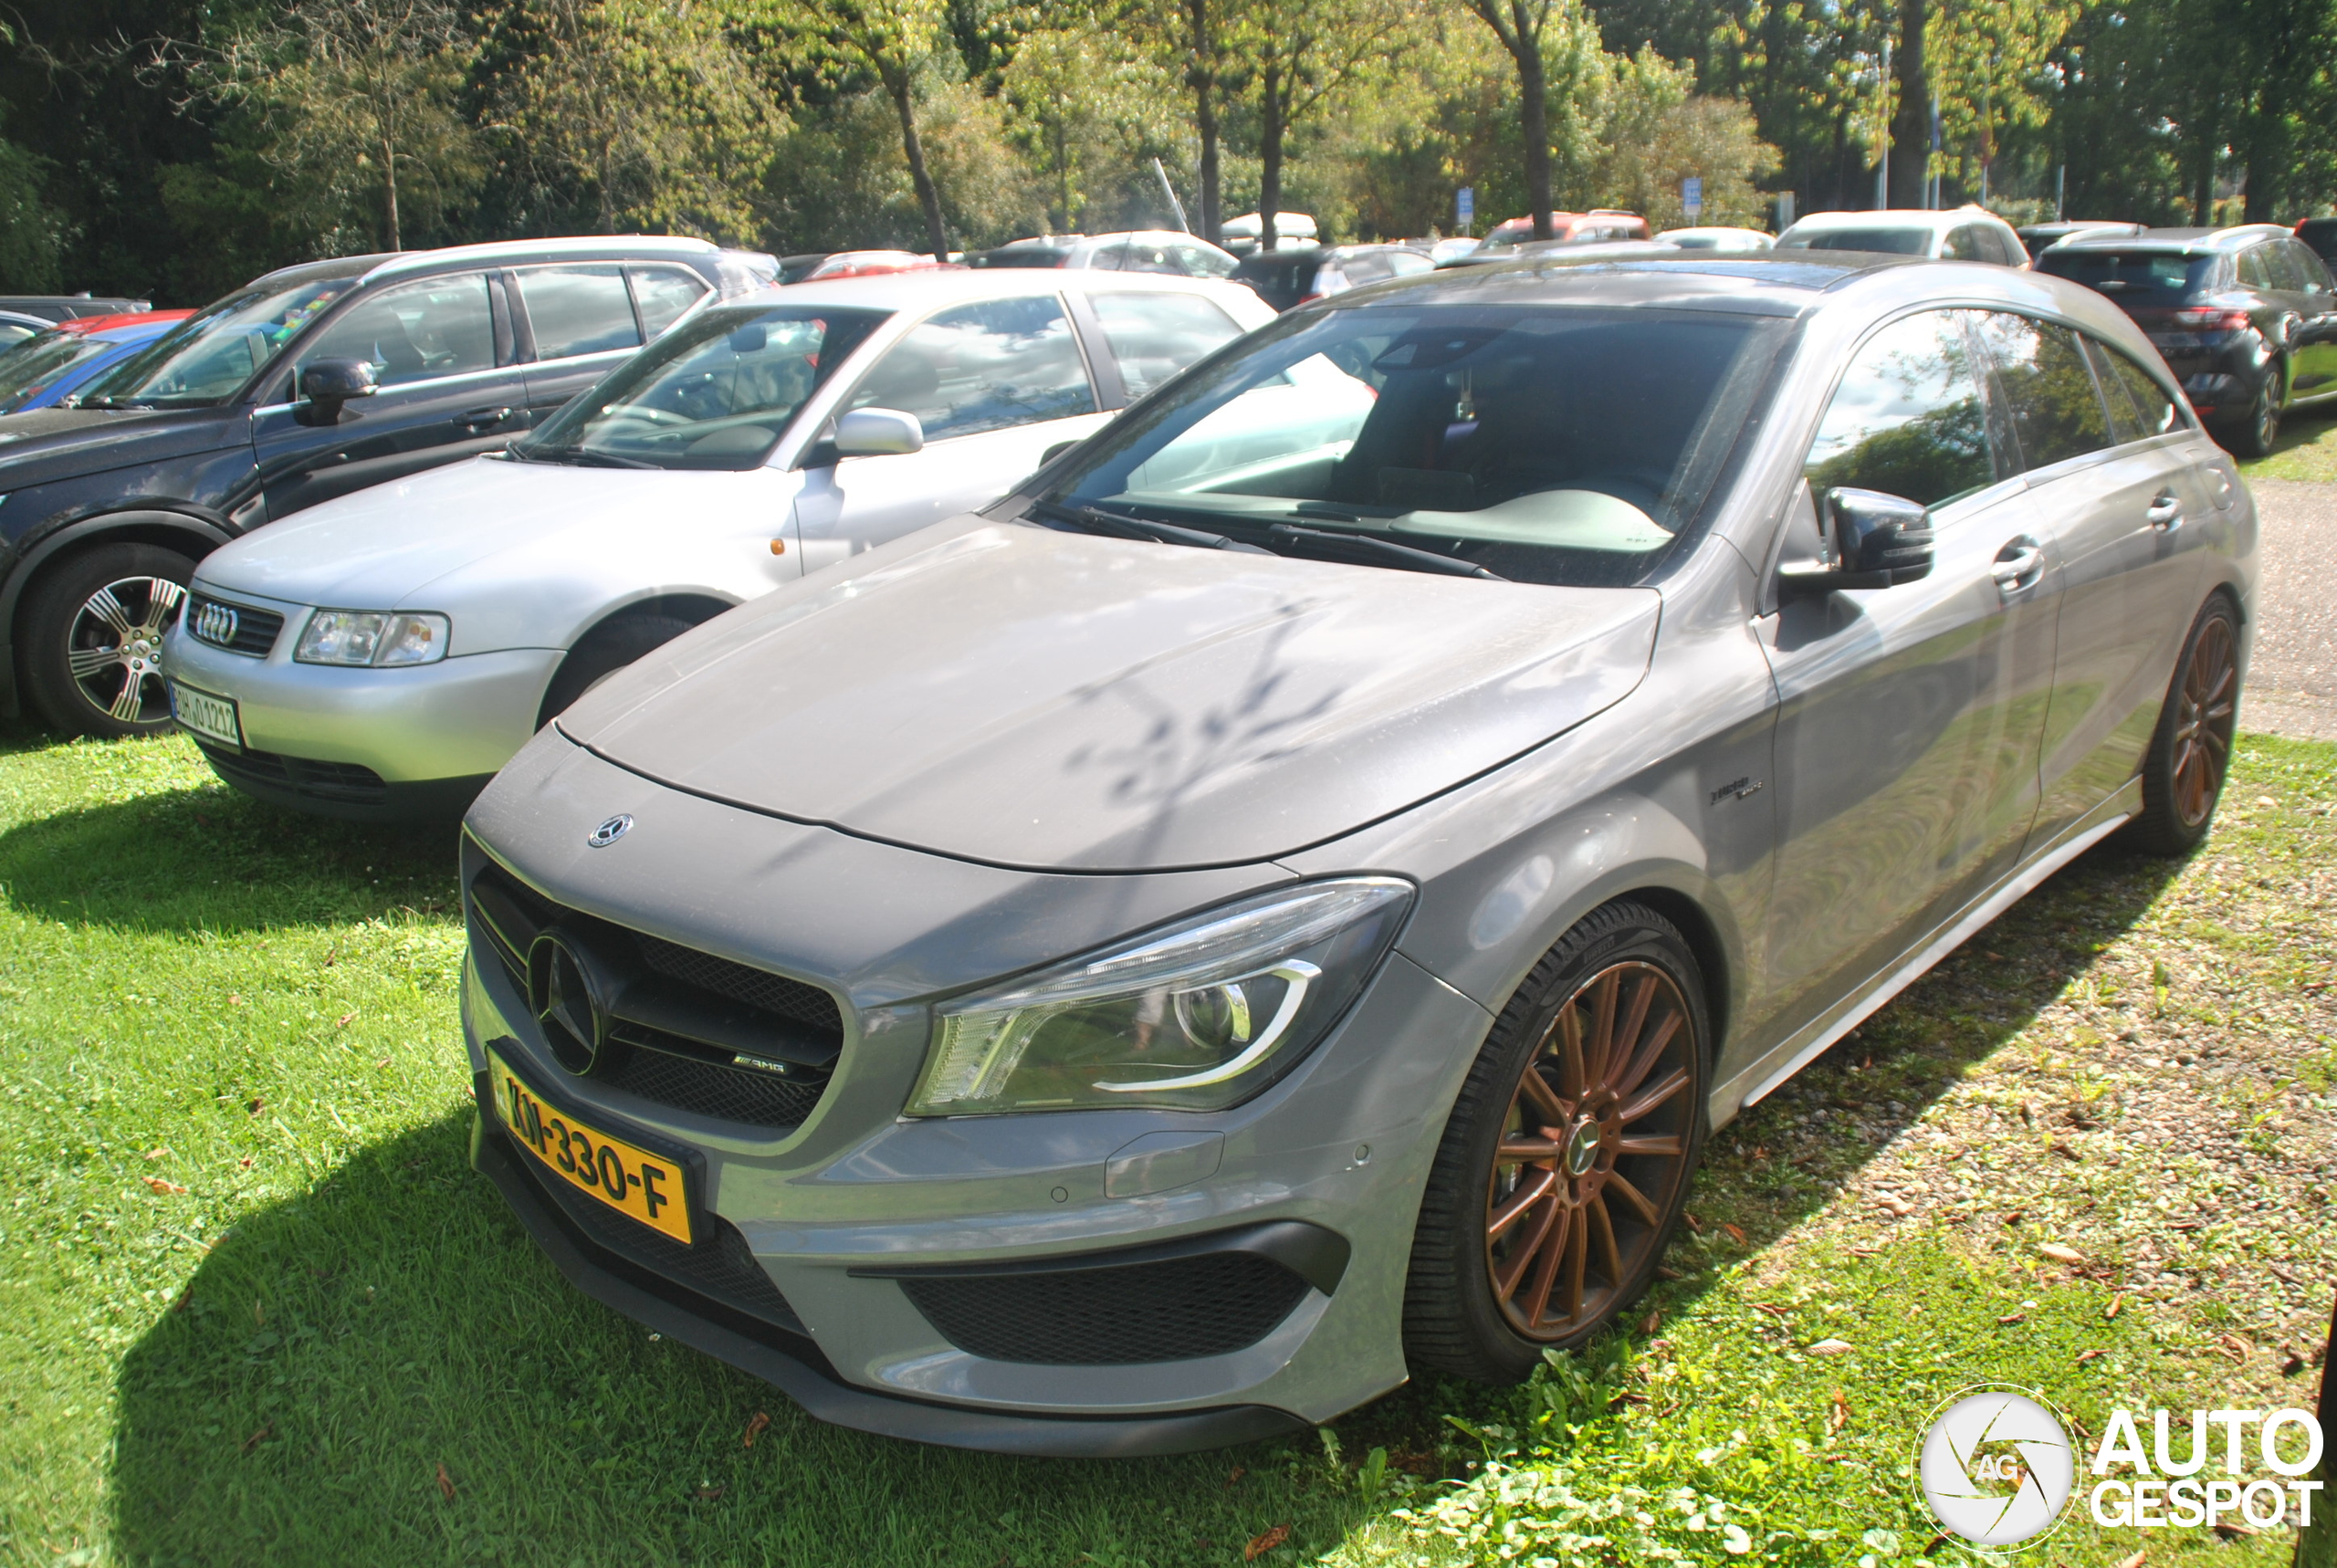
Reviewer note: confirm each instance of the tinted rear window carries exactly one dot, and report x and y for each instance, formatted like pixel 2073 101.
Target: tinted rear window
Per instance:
pixel 2134 276
pixel 1021 255
pixel 1890 241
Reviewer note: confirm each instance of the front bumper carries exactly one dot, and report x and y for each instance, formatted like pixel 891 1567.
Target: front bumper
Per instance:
pixel 460 719
pixel 846 1214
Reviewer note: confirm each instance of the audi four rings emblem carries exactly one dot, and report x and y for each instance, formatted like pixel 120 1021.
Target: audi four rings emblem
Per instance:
pixel 217 624
pixel 609 831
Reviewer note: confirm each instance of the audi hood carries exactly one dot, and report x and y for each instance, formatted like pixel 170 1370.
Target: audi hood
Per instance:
pixel 1004 693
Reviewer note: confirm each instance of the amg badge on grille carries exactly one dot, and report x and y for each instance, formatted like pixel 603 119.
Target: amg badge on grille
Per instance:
pixel 609 831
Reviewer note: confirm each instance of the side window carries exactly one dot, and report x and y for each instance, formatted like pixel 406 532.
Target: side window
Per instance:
pixel 663 293
pixel 1154 336
pixel 1407 263
pixel 2255 269
pixel 2312 276
pixel 2057 412
pixel 1963 244
pixel 1907 419
pixel 2153 412
pixel 415 331
pixel 1372 267
pixel 578 310
pixel 984 366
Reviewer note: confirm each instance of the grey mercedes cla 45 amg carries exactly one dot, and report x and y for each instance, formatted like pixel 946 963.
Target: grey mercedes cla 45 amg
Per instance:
pixel 1281 900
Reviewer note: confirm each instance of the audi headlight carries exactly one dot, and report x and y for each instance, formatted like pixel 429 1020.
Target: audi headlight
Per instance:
pixel 1197 1017
pixel 368 637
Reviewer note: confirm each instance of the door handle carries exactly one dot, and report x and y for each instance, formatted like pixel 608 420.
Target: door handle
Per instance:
pixel 2165 511
pixel 2019 565
pixel 479 418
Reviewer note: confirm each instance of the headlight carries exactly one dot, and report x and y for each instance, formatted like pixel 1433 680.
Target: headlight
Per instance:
pixel 369 637
pixel 1197 1017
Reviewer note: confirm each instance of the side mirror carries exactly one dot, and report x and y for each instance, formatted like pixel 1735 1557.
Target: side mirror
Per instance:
pixel 327 384
pixel 878 433
pixel 749 339
pixel 1876 540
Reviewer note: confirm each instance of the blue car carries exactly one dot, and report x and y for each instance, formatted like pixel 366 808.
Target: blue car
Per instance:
pixel 45 369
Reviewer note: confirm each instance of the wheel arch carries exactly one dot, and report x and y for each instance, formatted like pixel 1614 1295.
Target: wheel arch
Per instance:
pixel 189 535
pixel 695 607
pixel 1696 926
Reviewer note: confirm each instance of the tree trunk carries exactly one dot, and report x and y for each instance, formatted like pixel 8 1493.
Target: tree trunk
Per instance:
pixel 1533 92
pixel 1911 116
pixel 390 196
pixel 1202 78
pixel 2202 200
pixel 938 236
pixel 1270 156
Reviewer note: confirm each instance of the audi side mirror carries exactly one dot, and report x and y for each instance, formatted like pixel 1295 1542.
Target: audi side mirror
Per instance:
pixel 1875 541
pixel 327 384
pixel 878 433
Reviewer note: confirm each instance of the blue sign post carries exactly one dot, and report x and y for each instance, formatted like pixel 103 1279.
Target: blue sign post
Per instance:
pixel 1464 208
pixel 1691 196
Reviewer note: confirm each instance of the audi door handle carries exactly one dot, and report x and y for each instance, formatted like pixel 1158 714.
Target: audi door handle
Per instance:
pixel 478 418
pixel 2019 565
pixel 2165 511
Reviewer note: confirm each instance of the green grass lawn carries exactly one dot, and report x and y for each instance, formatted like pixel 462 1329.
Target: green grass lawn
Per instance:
pixel 2307 449
pixel 258 1309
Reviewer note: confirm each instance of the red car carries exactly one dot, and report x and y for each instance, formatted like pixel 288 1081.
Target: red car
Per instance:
pixel 1598 223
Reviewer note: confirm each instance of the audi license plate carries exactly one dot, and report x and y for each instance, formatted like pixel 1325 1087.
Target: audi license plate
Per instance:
pixel 631 1180
pixel 213 719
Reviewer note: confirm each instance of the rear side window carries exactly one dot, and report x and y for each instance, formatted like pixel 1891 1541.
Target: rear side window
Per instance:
pixel 578 310
pixel 663 293
pixel 2133 277
pixel 1890 241
pixel 984 366
pixel 2137 406
pixel 1965 243
pixel 2256 269
pixel 1199 263
pixel 2311 275
pixel 415 332
pixel 1907 419
pixel 1154 336
pixel 2056 412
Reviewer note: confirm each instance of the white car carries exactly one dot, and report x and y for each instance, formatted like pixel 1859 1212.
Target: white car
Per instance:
pixel 1717 238
pixel 1955 234
pixel 381 656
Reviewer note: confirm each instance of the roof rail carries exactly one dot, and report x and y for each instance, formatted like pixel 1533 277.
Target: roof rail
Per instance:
pixel 543 250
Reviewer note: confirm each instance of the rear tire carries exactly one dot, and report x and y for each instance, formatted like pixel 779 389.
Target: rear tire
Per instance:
pixel 2255 437
pixel 93 639
pixel 1567 1159
pixel 602 653
pixel 2190 755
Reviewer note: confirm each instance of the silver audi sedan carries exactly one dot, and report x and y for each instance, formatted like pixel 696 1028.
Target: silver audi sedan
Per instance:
pixel 1279 901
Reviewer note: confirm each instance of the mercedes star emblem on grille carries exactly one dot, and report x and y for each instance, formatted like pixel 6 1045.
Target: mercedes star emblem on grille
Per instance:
pixel 217 624
pixel 609 831
pixel 564 995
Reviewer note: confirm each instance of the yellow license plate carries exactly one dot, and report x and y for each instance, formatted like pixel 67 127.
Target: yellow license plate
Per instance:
pixel 631 1180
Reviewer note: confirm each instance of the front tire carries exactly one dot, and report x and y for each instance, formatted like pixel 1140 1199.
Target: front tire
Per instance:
pixel 2183 771
pixel 93 639
pixel 1567 1159
pixel 2255 437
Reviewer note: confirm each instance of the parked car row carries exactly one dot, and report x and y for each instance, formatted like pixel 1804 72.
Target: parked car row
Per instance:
pixel 46 369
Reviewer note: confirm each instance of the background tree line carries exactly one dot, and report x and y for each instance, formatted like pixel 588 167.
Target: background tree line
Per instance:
pixel 178 147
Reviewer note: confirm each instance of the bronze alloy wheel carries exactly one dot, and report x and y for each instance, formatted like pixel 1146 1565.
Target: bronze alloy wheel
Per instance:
pixel 2205 705
pixel 1593 1153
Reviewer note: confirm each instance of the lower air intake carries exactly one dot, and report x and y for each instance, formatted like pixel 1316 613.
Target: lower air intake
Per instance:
pixel 1178 1309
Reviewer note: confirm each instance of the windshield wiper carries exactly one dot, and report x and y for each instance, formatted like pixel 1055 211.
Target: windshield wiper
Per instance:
pixel 1118 525
pixel 1365 551
pixel 583 456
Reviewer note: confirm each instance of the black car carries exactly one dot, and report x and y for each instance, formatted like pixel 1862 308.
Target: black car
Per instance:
pixel 2035 237
pixel 1291 276
pixel 2320 236
pixel 305 384
pixel 70 306
pixel 2247 317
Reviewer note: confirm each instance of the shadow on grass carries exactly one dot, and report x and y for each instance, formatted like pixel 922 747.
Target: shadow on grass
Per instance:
pixel 337 1349
pixel 213 859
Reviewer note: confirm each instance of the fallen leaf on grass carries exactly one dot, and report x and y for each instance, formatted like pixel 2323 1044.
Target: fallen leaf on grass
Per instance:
pixel 2227 1529
pixel 1864 1251
pixel 2060 1254
pixel 709 1494
pixel 1237 1474
pixel 158 1185
pixel 1774 1310
pixel 1892 1204
pixel 2136 1560
pixel 2281 1274
pixel 1734 1234
pixel 1652 1322
pixel 446 1482
pixel 235 999
pixel 2016 1216
pixel 1761 1152
pixel 2086 1355
pixel 255 1107
pixel 347 1019
pixel 1693 1223
pixel 1839 1416
pixel 2268 800
pixel 257 1438
pixel 245 1163
pixel 2011 1318
pixel 2232 1345
pixel 1262 1544
pixel 1831 1347
pixel 2111 1309
pixel 157 1154
pixel 756 1425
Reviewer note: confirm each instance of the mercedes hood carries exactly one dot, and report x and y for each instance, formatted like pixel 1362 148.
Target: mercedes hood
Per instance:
pixel 1004 693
